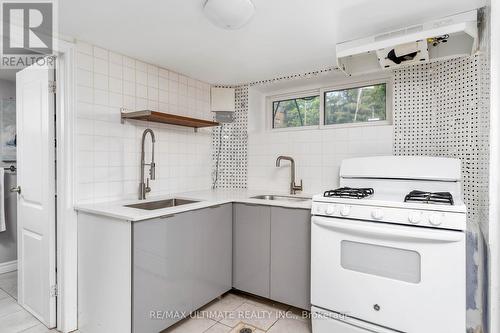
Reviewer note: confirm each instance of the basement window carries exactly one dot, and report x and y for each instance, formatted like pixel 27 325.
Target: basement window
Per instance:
pixel 298 111
pixel 358 104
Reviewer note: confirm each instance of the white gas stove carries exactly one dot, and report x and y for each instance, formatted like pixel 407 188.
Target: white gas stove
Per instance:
pixel 388 248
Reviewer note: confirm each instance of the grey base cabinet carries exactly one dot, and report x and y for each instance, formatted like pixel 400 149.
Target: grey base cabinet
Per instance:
pixel 251 248
pixel 148 275
pixel 291 256
pixel 180 263
pixel 271 252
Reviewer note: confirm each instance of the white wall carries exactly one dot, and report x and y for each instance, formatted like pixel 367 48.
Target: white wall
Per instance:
pixel 108 152
pixel 317 153
pixel 7 89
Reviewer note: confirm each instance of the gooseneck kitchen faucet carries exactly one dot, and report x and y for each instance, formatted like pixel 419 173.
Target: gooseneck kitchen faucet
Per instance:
pixel 293 187
pixel 144 186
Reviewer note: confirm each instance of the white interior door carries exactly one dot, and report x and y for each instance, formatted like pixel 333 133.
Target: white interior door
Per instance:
pixel 36 202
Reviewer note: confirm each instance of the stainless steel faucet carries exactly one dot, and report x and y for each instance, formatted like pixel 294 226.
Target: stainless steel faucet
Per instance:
pixel 144 187
pixel 293 187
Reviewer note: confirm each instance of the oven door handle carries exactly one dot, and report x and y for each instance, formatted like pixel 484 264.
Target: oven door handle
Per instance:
pixel 389 232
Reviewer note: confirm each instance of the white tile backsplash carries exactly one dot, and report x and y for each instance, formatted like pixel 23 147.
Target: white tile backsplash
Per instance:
pixel 100 53
pixel 101 66
pixel 317 154
pixel 84 61
pixel 108 152
pixel 115 58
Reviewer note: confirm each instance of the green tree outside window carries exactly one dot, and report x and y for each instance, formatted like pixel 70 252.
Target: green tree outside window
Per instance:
pixel 296 112
pixel 360 104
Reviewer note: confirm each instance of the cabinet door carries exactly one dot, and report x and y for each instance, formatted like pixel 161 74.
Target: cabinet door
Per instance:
pixel 213 253
pixel 291 256
pixel 163 263
pixel 251 248
pixel 180 263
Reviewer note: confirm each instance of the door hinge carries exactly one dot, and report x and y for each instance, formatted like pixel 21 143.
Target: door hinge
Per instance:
pixel 52 87
pixel 54 291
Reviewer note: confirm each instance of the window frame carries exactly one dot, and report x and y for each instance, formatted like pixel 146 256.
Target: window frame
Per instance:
pixel 289 96
pixel 320 91
pixel 358 84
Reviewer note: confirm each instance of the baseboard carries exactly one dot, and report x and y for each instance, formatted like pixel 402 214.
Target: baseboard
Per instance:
pixel 8 266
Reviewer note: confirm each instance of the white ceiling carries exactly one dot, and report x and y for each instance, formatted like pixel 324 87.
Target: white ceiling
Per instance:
pixel 284 37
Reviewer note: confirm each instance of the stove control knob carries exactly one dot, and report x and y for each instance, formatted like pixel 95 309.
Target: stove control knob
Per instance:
pixel 414 217
pixel 378 214
pixel 435 219
pixel 330 210
pixel 345 210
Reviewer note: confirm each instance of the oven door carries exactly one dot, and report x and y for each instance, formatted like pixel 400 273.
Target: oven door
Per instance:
pixel 410 279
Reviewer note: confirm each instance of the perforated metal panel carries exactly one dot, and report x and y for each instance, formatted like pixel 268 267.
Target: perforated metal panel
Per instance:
pixel 437 113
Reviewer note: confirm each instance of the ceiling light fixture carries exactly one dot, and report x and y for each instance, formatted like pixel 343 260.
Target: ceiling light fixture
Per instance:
pixel 229 14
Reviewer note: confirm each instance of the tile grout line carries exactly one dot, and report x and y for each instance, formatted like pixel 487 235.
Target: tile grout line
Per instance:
pixel 215 323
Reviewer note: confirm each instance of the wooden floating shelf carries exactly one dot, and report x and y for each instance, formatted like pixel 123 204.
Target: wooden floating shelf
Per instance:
pixel 166 118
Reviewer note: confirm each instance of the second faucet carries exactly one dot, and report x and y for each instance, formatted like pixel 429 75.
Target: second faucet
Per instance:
pixel 293 187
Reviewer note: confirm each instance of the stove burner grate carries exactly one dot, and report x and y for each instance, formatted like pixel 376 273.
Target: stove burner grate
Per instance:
pixel 430 197
pixel 348 192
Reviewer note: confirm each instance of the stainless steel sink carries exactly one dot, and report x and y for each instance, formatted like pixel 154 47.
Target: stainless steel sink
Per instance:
pixel 152 205
pixel 279 197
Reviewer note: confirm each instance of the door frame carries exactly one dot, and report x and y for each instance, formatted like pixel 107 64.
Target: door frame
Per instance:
pixel 66 224
pixel 66 217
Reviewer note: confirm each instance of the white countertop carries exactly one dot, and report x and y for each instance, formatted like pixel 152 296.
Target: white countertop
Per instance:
pixel 207 198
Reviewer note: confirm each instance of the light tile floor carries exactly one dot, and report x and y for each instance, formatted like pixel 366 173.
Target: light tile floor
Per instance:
pixel 235 311
pixel 13 318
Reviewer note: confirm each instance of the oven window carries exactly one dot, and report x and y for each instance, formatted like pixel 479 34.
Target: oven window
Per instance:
pixel 388 262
